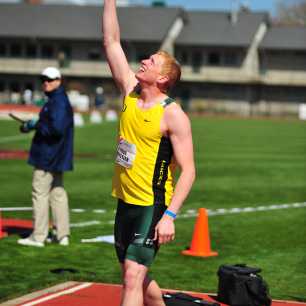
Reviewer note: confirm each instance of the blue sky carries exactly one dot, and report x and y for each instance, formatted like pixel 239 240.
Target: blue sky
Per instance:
pixel 267 5
pixel 256 5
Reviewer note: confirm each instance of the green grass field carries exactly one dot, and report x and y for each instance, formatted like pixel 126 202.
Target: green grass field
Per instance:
pixel 240 163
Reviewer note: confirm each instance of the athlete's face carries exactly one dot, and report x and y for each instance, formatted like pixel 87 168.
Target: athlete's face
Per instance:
pixel 150 69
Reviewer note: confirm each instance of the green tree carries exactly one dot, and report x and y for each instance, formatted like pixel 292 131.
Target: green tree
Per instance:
pixel 291 12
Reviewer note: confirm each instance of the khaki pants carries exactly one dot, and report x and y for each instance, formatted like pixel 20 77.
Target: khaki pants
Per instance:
pixel 48 190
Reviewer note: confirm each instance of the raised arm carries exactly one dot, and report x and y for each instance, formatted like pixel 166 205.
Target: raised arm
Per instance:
pixel 121 71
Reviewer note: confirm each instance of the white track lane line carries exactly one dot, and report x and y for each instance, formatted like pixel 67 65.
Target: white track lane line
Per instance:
pixel 57 294
pixel 190 213
pixel 16 208
pixel 236 210
pixel 85 224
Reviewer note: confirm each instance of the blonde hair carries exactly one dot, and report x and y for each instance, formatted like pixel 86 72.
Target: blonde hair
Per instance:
pixel 170 68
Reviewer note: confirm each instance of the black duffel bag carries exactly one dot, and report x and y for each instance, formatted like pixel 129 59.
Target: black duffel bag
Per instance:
pixel 240 285
pixel 183 299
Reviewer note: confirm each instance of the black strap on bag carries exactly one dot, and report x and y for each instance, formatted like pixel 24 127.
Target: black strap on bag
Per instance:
pixel 183 299
pixel 240 285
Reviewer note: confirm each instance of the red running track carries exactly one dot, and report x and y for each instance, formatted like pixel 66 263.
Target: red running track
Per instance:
pixel 5 108
pixel 96 294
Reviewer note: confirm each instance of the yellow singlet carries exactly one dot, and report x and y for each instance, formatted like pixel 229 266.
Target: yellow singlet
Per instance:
pixel 143 168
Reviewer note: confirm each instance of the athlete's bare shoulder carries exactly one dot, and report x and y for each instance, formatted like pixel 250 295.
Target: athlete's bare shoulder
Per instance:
pixel 172 110
pixel 175 118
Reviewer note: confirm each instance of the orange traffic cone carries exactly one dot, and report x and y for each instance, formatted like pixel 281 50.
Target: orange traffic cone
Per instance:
pixel 200 244
pixel 1 233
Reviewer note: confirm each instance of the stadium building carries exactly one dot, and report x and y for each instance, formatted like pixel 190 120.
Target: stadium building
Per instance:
pixel 233 62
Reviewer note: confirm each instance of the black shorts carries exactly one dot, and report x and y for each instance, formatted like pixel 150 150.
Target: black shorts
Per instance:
pixel 134 232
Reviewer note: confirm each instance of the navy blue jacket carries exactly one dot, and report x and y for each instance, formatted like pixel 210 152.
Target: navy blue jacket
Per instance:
pixel 52 144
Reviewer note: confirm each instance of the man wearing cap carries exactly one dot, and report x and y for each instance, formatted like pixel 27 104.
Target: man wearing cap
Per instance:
pixel 51 154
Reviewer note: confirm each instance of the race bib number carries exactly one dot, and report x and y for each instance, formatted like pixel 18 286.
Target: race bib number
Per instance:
pixel 126 153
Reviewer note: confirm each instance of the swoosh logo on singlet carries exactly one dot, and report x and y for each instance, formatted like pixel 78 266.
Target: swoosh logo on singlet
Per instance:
pixel 124 106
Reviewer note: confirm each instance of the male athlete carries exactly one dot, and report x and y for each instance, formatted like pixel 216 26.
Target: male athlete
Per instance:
pixel 153 133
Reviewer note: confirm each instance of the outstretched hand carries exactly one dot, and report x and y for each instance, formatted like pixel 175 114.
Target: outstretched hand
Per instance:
pixel 23 128
pixel 27 126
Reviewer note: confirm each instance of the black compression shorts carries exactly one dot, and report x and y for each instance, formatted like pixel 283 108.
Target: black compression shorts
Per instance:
pixel 134 232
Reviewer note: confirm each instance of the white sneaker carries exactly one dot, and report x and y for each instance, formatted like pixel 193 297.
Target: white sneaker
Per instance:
pixel 64 241
pixel 30 242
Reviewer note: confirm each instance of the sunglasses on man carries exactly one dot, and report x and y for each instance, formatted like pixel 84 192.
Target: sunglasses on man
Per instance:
pixel 46 79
